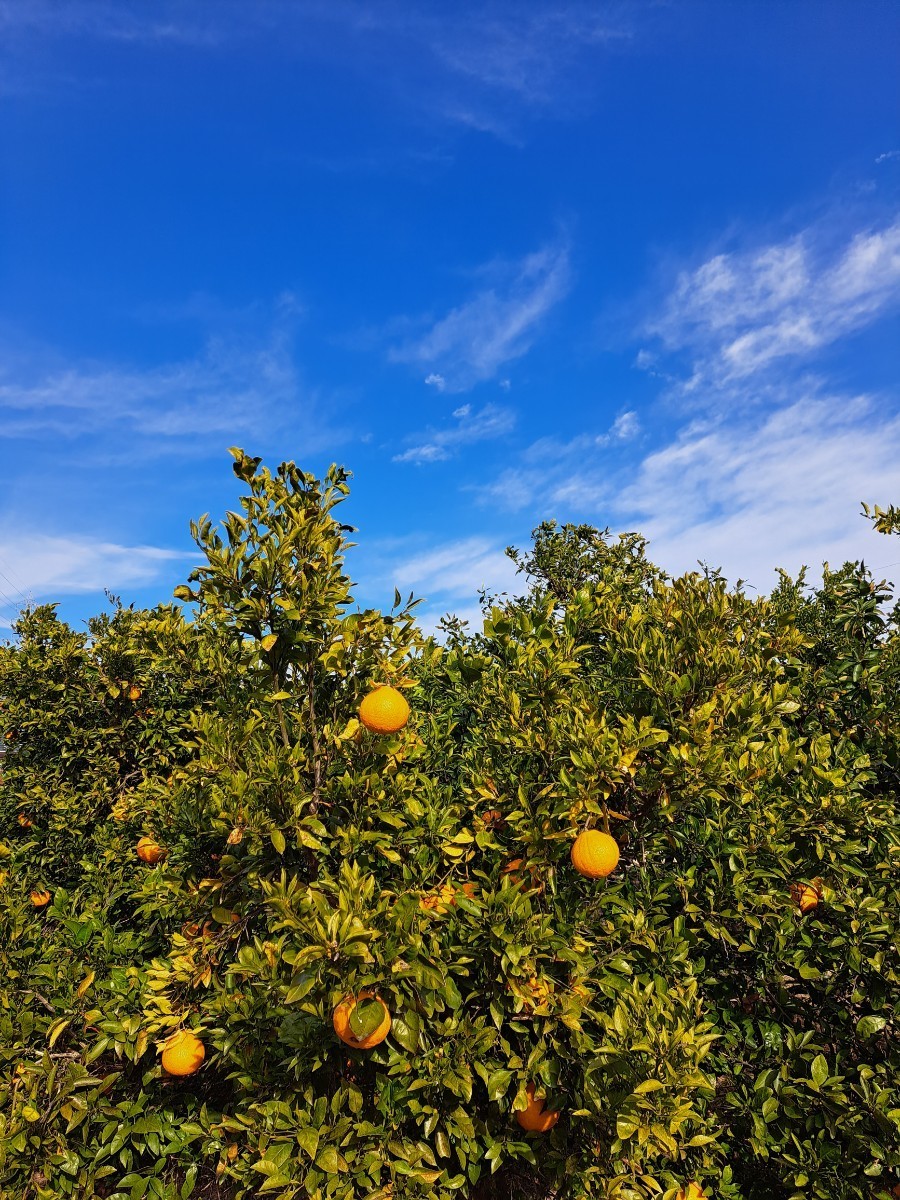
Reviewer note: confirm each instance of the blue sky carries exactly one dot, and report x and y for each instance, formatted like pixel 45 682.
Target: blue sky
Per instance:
pixel 636 265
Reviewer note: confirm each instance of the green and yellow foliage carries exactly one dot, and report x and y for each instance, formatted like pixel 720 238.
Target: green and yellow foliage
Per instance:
pixel 363 964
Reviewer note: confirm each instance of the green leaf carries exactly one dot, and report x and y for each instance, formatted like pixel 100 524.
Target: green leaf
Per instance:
pixel 308 1139
pixel 277 839
pixel 498 1083
pixel 450 992
pixel 625 1128
pixel 269 641
pixel 405 1030
pixel 867 1026
pixel 190 1179
pixel 365 1017
pixel 56 1029
pixel 299 990
pixel 820 1069
pixel 329 1160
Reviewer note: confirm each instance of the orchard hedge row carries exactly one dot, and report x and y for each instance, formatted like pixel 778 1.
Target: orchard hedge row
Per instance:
pixel 716 1017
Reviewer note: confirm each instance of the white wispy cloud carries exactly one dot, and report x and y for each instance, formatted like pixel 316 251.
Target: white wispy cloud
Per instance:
pixel 54 564
pixel 447 577
pixel 888 156
pixel 456 570
pixel 772 462
pixel 495 326
pixel 785 490
pixel 491 421
pixel 484 66
pixel 623 429
pixel 552 472
pixel 485 61
pixel 527 51
pixel 162 21
pixel 231 389
pixel 738 314
pixel 745 495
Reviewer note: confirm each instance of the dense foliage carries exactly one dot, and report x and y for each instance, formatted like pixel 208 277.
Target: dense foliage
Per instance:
pixel 687 1018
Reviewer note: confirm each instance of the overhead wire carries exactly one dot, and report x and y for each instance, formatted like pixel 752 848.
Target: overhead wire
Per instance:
pixel 12 583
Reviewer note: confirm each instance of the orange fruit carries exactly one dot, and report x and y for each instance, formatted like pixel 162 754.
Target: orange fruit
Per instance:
pixel 39 898
pixel 183 1053
pixel 594 854
pixel 341 1022
pixel 535 1119
pixel 805 895
pixel 134 693
pixel 149 852
pixel 24 821
pixel 384 710
pixel 693 1191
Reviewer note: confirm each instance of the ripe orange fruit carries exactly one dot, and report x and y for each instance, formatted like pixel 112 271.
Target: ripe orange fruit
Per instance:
pixel 594 854
pixel 149 852
pixel 24 821
pixel 183 1053
pixel 134 692
pixel 535 1119
pixel 384 710
pixel 693 1191
pixel 805 895
pixel 341 1022
pixel 40 898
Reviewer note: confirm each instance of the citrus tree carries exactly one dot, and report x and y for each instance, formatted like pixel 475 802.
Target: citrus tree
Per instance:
pixel 600 901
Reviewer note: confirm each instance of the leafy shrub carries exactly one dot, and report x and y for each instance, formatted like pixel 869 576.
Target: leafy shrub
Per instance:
pixel 688 1021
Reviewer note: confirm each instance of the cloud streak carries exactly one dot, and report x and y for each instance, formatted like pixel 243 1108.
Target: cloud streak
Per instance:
pixel 782 491
pixel 483 60
pixel 551 472
pixel 738 315
pixel 52 565
pixel 495 326
pixel 231 388
pixel 157 23
pixel 492 421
